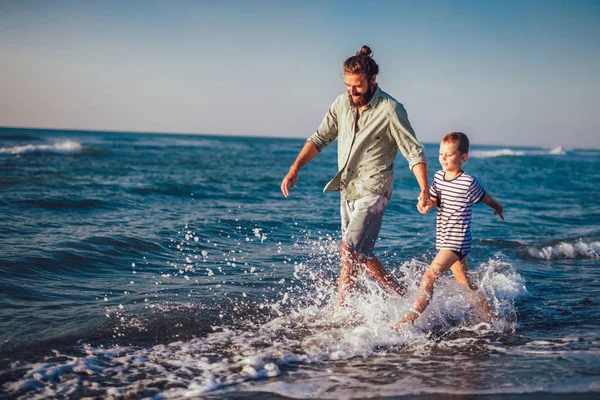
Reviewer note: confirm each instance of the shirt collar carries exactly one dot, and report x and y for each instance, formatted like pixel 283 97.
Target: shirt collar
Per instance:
pixel 376 97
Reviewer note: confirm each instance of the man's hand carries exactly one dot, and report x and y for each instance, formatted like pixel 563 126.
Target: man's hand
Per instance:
pixel 308 152
pixel 420 171
pixel 289 181
pixel 423 204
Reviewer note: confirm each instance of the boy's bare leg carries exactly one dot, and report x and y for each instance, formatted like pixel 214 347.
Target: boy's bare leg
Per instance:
pixel 442 262
pixel 459 270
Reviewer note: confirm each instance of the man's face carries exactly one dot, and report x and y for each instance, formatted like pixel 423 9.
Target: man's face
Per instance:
pixel 360 88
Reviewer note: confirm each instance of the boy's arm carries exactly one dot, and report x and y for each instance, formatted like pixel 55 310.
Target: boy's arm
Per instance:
pixel 490 201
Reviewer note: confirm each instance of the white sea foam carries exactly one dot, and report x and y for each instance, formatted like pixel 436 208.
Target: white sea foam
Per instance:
pixel 60 147
pixel 515 153
pixel 303 331
pixel 557 348
pixel 566 250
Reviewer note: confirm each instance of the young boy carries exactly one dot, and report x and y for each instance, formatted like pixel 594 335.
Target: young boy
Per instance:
pixel 453 191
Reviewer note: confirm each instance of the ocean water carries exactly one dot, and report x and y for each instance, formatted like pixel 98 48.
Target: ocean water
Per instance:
pixel 169 266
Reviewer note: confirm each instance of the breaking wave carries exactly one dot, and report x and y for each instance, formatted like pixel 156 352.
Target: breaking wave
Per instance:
pixel 563 250
pixel 59 147
pixel 557 151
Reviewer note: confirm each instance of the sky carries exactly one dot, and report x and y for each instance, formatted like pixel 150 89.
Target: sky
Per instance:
pixel 509 73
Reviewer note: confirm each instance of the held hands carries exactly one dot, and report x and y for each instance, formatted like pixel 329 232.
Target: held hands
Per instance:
pixel 430 205
pixel 289 181
pixel 425 203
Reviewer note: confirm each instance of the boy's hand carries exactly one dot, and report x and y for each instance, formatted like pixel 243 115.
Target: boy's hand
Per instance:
pixel 496 205
pixel 498 211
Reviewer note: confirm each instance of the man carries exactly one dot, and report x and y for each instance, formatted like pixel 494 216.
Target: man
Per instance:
pixel 370 127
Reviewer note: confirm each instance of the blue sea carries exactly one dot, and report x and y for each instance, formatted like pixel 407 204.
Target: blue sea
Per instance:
pixel 154 266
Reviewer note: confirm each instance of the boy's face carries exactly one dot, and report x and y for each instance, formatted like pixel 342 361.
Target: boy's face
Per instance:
pixel 450 158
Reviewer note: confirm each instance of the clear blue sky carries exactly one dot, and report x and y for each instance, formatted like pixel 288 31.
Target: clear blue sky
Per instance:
pixel 507 72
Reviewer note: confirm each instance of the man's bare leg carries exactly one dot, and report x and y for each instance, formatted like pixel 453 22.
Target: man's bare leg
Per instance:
pixel 441 264
pixel 347 276
pixel 352 262
pixel 375 269
pixel 459 270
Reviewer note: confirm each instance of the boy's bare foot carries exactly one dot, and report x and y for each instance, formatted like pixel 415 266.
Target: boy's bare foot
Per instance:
pixel 482 308
pixel 338 307
pixel 485 316
pixel 404 322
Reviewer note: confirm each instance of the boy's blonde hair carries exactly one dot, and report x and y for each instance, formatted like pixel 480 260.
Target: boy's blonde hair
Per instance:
pixel 460 139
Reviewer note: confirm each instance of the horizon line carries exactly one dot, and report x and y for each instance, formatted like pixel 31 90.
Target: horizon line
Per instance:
pixel 257 136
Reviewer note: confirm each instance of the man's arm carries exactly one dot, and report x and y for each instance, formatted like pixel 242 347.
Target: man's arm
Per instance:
pixel 490 201
pixel 412 150
pixel 420 171
pixel 308 152
pixel 327 133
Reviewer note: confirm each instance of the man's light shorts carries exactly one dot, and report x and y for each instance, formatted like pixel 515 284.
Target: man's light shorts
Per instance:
pixel 361 221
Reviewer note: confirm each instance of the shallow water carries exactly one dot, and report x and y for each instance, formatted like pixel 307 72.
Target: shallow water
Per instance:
pixel 167 266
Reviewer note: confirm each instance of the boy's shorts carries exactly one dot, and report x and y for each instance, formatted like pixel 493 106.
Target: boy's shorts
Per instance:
pixel 361 221
pixel 461 256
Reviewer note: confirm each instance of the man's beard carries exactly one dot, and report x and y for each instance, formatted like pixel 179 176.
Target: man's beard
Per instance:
pixel 365 98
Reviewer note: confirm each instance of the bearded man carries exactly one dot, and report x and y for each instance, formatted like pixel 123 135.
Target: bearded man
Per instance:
pixel 371 127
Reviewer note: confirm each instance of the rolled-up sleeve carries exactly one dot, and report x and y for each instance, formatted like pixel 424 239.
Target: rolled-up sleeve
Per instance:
pixel 328 130
pixel 405 137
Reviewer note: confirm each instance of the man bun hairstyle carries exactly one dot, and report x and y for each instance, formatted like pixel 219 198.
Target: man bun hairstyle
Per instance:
pixel 461 140
pixel 362 63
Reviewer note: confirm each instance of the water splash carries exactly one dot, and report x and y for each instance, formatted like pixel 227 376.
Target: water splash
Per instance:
pixel 256 336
